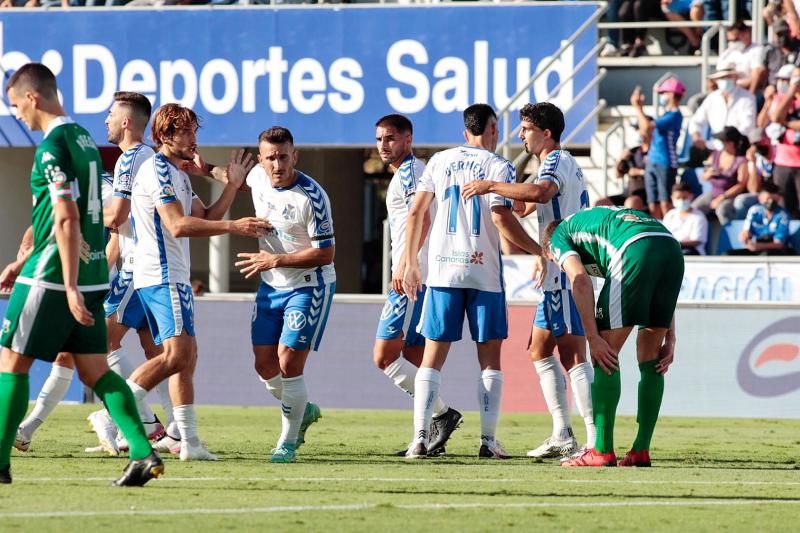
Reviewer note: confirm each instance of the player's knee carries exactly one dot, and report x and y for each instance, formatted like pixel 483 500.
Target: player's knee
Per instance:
pixel 264 369
pixel 383 357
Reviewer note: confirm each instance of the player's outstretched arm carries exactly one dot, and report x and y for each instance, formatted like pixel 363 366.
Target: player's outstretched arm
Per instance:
pixel 513 231
pixel 412 277
pixel 239 165
pixel 68 238
pixel 180 225
pixel 251 264
pixel 525 192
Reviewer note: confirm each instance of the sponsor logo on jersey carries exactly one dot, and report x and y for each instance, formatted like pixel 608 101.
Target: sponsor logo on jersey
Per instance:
pixel 477 258
pixel 6 326
pixel 325 227
pixel 295 320
pixel 167 190
pixel 85 142
pixel 458 257
pixel 47 156
pixel 387 311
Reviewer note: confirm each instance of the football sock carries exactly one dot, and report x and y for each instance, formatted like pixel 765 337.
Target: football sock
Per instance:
pixel 605 397
pixel 426 384
pixel 490 394
pixel 274 385
pixel 403 373
pixel 13 404
pixel 53 391
pixel 162 389
pixel 186 418
pixel 121 405
pixel 581 377
pixel 651 391
pixel 554 389
pixel 138 391
pixel 119 362
pixel 293 407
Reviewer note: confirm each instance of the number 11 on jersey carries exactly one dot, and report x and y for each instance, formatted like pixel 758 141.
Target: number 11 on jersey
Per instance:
pixel 453 195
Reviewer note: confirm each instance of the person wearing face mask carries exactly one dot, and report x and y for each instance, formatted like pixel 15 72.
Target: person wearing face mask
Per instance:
pixel 728 105
pixel 687 224
pixel 727 172
pixel 662 159
pixel 746 56
pixel 766 228
pixel 785 115
pixel 782 50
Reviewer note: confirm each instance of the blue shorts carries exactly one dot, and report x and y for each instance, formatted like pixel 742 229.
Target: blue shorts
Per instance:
pixel 293 317
pixel 169 309
pixel 658 182
pixel 123 301
pixel 557 313
pixel 444 308
pixel 396 320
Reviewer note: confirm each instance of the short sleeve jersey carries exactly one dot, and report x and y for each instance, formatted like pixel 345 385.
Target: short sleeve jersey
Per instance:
pixel 300 216
pixel 399 197
pixel 66 168
pixel 762 227
pixel 160 258
pixel 560 168
pixel 600 235
pixel 464 244
pixel 125 170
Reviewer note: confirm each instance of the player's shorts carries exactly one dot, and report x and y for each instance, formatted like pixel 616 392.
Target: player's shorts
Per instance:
pixel 124 302
pixel 642 286
pixel 557 313
pixel 38 323
pixel 443 312
pixel 169 310
pixel 398 320
pixel 293 317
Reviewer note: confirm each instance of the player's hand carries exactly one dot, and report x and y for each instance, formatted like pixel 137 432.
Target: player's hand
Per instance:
pixel 78 308
pixel 603 354
pixel 539 270
pixel 9 275
pixel 412 282
pixel 197 167
pixel 665 356
pixel 476 188
pixel 397 278
pixel 253 263
pixel 238 167
pixel 250 226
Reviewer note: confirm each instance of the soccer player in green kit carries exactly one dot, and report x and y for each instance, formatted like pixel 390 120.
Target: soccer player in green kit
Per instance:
pixel 643 267
pixel 57 301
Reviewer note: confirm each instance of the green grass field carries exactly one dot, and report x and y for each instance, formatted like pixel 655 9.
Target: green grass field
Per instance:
pixel 708 475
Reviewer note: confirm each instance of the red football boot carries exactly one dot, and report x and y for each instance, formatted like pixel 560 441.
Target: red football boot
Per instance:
pixel 592 457
pixel 633 458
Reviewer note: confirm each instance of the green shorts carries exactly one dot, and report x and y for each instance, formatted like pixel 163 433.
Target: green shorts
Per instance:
pixel 642 287
pixel 38 324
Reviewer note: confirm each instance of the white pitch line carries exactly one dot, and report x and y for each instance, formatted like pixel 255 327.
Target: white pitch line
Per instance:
pixel 428 480
pixel 367 506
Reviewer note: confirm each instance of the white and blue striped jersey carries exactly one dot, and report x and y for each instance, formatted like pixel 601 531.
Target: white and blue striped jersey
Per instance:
pixel 399 197
pixel 300 216
pixel 464 243
pixel 125 170
pixel 108 194
pixel 561 168
pixel 159 257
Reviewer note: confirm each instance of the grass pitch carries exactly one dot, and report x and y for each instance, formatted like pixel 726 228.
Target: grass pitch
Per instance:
pixel 708 475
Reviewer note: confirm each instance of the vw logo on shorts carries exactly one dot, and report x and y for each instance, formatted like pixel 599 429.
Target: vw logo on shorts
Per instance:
pixel 295 320
pixel 387 310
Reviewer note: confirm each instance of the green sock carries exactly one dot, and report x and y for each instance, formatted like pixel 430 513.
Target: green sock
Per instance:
pixel 13 406
pixel 121 405
pixel 651 391
pixel 605 397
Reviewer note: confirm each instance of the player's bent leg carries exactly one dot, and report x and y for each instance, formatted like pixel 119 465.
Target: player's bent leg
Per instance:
pixel 14 390
pixel 294 400
pixel 53 391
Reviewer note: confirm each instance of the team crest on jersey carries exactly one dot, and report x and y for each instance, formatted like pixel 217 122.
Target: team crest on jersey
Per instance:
pixel 477 258
pixel 289 213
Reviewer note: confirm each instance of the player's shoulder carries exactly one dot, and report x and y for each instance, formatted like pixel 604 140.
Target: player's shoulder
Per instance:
pixel 308 185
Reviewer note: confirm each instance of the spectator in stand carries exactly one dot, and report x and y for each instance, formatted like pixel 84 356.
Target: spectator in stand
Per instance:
pixel 687 224
pixel 678 11
pixel 718 9
pixel 785 132
pixel 633 161
pixel 746 56
pixel 766 228
pixel 728 105
pixel 633 39
pixel 759 171
pixel 34 3
pixel 612 47
pixel 785 9
pixel 662 159
pixel 783 50
pixel 726 170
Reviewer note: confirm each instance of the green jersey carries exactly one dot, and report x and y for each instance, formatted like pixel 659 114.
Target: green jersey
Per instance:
pixel 67 168
pixel 600 235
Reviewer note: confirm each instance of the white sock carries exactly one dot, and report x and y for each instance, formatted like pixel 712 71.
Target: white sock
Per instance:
pixel 403 373
pixel 119 362
pixel 426 384
pixel 186 418
pixel 138 392
pixel 490 394
pixel 581 376
pixel 274 385
pixel 554 389
pixel 162 389
pixel 140 395
pixel 293 405
pixel 53 391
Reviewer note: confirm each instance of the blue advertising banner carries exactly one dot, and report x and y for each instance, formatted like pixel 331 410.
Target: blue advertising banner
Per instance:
pixel 326 73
